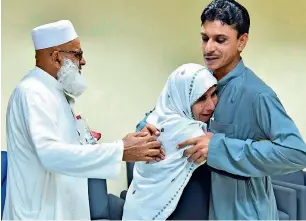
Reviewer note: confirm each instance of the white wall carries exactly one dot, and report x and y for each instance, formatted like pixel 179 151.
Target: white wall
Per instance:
pixel 132 46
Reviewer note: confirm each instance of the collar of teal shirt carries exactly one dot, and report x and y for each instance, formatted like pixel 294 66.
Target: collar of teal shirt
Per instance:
pixel 236 72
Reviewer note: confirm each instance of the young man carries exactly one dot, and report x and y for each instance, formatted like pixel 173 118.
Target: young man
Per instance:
pixel 254 137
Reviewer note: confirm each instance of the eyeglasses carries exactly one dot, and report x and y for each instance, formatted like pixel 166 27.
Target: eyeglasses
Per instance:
pixel 77 54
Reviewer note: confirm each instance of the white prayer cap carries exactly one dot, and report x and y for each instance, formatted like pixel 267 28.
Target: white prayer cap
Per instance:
pixel 53 34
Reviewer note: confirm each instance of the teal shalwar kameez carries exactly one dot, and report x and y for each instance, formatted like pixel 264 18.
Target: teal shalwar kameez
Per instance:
pixel 254 138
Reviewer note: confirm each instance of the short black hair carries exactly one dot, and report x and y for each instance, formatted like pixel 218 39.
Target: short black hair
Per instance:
pixel 228 12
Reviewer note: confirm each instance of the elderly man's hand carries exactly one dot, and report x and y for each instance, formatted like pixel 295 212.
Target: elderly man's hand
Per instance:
pixel 142 147
pixel 151 130
pixel 197 153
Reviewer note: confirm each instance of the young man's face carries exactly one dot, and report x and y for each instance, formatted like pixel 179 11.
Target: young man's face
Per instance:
pixel 221 47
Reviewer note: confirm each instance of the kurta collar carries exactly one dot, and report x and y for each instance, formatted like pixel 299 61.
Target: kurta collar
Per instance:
pixel 47 78
pixel 52 82
pixel 237 71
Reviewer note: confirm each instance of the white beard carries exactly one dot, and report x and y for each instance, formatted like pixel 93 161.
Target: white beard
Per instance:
pixel 72 81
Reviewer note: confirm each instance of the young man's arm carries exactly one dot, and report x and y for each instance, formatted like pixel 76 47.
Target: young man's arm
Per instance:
pixel 283 152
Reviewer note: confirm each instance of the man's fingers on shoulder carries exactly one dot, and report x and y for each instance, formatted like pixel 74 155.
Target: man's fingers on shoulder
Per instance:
pixel 153 129
pixel 154 144
pixel 141 134
pixel 196 156
pixel 149 159
pixel 151 139
pixel 145 130
pixel 162 156
pixel 154 153
pixel 190 151
pixel 162 150
pixel 200 160
pixel 158 159
pixel 183 144
pixel 192 141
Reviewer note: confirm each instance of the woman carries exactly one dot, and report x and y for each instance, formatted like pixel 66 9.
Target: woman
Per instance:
pixel 185 104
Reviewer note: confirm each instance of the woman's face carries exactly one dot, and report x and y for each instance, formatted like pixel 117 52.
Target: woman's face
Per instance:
pixel 204 107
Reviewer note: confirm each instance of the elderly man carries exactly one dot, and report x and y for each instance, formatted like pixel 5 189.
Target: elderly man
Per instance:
pixel 49 158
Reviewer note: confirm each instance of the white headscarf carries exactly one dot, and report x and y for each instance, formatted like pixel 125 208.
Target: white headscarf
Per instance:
pixel 173 115
pixel 157 187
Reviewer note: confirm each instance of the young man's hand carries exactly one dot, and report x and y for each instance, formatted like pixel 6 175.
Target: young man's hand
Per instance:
pixel 197 153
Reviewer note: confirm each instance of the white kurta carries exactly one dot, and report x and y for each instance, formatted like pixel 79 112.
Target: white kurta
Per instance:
pixel 47 166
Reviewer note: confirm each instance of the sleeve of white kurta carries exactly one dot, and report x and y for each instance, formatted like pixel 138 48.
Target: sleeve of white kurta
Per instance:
pixel 88 161
pixel 283 150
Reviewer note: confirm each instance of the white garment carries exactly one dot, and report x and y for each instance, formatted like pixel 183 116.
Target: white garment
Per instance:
pixel 156 187
pixel 47 166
